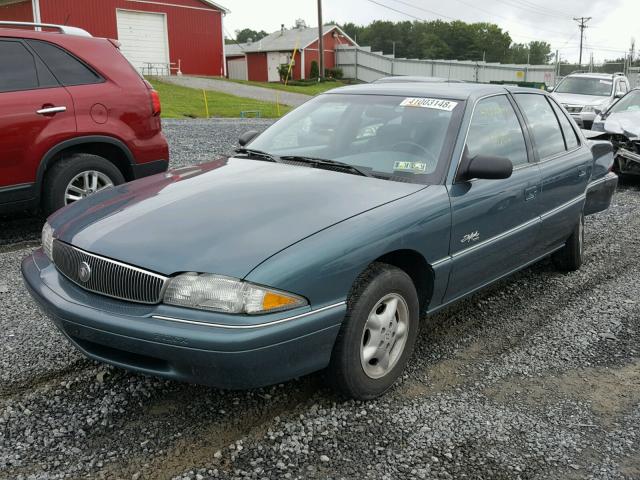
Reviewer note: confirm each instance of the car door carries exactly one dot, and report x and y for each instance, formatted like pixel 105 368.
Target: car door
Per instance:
pixel 565 168
pixel 494 222
pixel 35 112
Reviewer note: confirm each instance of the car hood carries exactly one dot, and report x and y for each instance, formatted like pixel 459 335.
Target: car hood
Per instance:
pixel 623 123
pixel 224 217
pixel 575 99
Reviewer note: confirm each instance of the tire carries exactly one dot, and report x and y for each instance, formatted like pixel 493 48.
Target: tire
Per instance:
pixel 63 172
pixel 571 256
pixel 373 294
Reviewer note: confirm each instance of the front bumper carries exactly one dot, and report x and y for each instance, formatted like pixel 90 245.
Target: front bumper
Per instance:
pixel 182 344
pixel 584 120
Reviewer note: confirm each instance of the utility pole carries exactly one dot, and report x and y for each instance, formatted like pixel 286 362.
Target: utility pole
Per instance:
pixel 582 24
pixel 320 41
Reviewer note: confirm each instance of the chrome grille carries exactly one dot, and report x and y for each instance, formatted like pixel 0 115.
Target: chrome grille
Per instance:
pixel 108 277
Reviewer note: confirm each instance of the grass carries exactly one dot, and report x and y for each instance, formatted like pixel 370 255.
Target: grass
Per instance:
pixel 182 102
pixel 311 89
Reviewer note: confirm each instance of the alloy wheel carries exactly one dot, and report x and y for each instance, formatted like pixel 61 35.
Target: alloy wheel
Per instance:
pixel 85 184
pixel 384 336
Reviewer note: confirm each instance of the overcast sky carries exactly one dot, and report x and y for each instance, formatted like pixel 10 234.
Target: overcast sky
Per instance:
pixel 610 31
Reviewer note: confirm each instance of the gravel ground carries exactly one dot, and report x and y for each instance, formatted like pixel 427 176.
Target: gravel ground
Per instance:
pixel 536 378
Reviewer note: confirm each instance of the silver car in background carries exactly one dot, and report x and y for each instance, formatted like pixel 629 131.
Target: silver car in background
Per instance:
pixel 620 124
pixel 585 95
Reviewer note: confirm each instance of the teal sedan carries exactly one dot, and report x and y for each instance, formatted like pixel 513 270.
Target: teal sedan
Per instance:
pixel 323 241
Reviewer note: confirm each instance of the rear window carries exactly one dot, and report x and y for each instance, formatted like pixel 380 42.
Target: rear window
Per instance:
pixel 67 69
pixel 18 67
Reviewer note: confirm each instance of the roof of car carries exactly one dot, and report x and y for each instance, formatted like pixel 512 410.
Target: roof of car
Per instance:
pixel 594 75
pixel 453 91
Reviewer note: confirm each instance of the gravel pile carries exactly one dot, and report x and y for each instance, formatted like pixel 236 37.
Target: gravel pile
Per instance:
pixel 536 378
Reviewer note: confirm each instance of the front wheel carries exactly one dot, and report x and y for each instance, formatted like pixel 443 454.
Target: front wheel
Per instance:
pixel 570 257
pixel 378 334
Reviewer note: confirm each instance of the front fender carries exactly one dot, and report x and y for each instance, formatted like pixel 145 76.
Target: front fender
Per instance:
pixel 324 266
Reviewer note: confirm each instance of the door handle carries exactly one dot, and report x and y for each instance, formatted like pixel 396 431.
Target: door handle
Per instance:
pixel 530 193
pixel 51 110
pixel 582 171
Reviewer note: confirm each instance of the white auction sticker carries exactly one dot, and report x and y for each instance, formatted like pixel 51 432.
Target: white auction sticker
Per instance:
pixel 435 103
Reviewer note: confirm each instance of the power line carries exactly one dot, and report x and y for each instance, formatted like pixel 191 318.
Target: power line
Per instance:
pixel 396 10
pixel 537 7
pixel 535 11
pixel 468 5
pixel 582 24
pixel 432 12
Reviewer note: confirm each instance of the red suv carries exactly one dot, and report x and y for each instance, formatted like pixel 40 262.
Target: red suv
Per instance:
pixel 75 117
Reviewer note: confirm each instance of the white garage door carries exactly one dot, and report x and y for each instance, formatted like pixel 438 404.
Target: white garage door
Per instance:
pixel 144 40
pixel 238 69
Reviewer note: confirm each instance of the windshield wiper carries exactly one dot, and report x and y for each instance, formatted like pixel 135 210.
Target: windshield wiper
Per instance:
pixel 323 162
pixel 259 154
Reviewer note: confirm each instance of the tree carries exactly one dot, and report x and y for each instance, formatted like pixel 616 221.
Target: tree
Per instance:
pixel 246 34
pixel 315 70
pixel 534 53
pixel 455 40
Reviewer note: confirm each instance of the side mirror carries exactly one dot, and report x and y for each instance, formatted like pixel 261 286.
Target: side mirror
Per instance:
pixel 619 94
pixel 246 137
pixel 487 167
pixel 550 89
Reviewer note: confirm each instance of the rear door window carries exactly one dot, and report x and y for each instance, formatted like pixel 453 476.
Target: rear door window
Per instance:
pixel 570 136
pixel 544 126
pixel 67 69
pixel 18 67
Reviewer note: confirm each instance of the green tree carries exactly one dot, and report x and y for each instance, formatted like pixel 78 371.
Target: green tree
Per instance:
pixel 315 70
pixel 455 40
pixel 244 35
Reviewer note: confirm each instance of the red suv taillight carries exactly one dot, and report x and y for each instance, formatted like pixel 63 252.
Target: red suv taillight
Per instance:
pixel 156 106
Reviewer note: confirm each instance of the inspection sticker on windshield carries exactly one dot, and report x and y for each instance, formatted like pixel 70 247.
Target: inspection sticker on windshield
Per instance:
pixel 435 103
pixel 410 166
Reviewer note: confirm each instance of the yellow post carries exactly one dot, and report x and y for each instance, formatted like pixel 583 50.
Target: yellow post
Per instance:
pixel 206 103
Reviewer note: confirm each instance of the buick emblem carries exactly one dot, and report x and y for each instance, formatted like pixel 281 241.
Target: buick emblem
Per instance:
pixel 84 272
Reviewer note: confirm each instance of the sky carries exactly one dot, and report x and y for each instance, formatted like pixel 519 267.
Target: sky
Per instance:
pixel 614 22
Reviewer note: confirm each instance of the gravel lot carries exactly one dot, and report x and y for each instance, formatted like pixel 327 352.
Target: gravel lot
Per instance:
pixel 536 378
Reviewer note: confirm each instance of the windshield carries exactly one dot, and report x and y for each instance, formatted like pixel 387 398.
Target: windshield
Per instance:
pixel 628 103
pixel 598 87
pixel 396 138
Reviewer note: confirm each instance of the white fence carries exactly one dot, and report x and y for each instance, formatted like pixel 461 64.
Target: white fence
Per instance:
pixel 363 64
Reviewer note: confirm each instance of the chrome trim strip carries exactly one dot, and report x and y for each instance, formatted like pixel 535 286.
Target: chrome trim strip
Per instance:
pixel 520 227
pixel 441 261
pixel 496 238
pixel 248 327
pixel 116 262
pixel 113 265
pixel 564 206
pixel 606 178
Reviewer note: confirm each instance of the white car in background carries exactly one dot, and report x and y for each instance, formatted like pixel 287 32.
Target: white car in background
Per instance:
pixel 585 95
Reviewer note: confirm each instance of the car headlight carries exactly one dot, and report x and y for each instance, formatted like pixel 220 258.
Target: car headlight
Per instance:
pixel 229 295
pixel 590 108
pixel 47 241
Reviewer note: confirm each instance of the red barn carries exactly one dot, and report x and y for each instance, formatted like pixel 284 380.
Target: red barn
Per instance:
pixel 157 36
pixel 259 60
